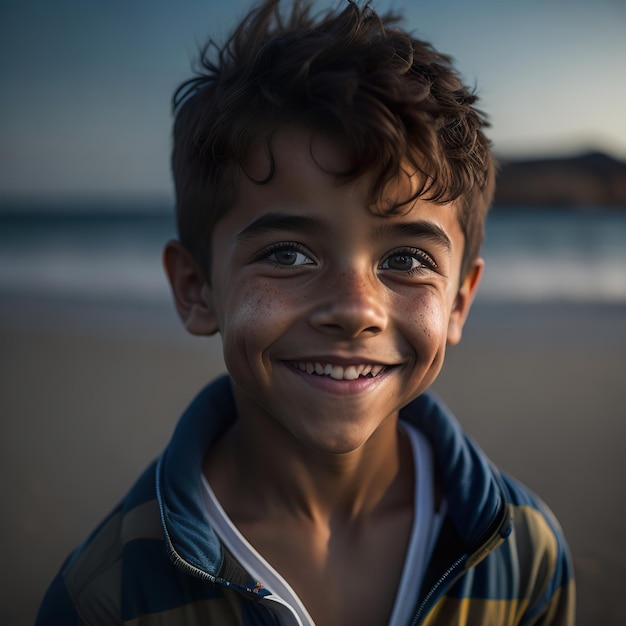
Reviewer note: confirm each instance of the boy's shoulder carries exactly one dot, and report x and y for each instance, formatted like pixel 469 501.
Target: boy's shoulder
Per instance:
pixel 124 569
pixel 89 581
pixel 128 566
pixel 516 559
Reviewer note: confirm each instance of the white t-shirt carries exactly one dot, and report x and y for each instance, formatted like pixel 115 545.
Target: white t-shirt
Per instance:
pixel 426 526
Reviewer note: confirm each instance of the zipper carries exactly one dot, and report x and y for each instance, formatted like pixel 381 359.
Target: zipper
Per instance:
pixel 176 559
pixel 179 561
pixel 495 532
pixel 442 579
pixel 188 568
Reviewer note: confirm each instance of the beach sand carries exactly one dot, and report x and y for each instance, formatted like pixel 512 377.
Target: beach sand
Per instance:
pixel 89 398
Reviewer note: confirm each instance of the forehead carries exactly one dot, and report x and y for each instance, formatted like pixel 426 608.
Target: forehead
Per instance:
pixel 299 170
pixel 294 150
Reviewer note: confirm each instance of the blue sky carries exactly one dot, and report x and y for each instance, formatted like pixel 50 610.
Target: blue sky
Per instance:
pixel 86 84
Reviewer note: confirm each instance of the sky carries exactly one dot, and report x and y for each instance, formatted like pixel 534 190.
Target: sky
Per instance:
pixel 85 85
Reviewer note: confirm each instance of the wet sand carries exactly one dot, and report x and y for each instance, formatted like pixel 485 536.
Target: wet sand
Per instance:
pixel 89 399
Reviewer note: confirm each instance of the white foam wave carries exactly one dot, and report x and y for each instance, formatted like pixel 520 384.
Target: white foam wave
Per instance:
pixel 98 274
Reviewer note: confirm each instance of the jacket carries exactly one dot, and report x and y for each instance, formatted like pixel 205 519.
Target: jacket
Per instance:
pixel 500 559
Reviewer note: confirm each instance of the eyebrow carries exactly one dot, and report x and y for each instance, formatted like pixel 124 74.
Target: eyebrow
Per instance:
pixel 272 222
pixel 421 229
pixel 275 222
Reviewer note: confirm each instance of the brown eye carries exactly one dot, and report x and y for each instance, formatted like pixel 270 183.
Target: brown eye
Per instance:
pixel 286 255
pixel 402 262
pixel 408 261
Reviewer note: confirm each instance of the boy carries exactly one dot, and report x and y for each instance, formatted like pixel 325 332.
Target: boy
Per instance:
pixel 332 181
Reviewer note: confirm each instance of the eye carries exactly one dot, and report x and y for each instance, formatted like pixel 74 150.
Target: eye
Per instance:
pixel 286 255
pixel 409 260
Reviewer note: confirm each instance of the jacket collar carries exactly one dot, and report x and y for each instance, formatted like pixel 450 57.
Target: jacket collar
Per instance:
pixel 472 485
pixel 178 481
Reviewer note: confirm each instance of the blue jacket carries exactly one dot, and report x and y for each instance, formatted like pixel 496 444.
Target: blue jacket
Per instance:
pixel 500 559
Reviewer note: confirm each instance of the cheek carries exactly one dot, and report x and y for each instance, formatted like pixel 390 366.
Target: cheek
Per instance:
pixel 427 322
pixel 426 331
pixel 252 318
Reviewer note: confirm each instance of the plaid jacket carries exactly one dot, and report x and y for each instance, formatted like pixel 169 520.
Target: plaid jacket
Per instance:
pixel 500 559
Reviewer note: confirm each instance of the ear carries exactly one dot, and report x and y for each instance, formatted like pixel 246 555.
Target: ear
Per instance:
pixel 192 294
pixel 463 302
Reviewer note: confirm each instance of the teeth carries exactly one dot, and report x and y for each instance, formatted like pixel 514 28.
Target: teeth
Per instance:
pixel 350 373
pixel 338 372
pixel 376 369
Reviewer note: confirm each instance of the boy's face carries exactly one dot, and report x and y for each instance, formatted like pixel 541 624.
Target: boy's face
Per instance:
pixel 332 317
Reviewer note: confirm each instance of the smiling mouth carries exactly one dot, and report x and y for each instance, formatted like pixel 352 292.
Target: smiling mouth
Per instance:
pixel 339 372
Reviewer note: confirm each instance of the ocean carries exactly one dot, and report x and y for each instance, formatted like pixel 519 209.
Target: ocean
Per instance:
pixel 94 256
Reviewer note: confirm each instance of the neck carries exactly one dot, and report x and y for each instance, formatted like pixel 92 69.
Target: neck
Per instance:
pixel 258 469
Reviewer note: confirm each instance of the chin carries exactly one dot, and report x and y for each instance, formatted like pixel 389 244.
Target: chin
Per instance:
pixel 335 444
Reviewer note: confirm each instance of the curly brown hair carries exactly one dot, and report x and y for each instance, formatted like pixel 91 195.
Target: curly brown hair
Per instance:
pixel 394 100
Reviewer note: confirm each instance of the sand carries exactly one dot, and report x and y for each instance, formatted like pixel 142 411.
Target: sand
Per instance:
pixel 90 396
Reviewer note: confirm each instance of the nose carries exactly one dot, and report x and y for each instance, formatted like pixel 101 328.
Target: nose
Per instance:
pixel 350 305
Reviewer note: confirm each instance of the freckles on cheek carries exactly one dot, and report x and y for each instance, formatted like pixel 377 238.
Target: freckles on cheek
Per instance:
pixel 252 313
pixel 427 319
pixel 240 332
